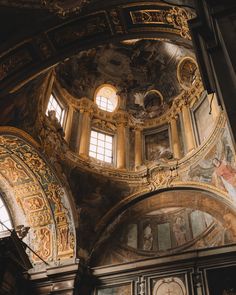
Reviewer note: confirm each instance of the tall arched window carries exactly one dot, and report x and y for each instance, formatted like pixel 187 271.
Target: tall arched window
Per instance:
pixel 4 216
pixel 54 105
pixel 106 98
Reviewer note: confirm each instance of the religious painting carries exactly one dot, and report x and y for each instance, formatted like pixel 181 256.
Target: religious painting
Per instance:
pixel 170 285
pixel 180 230
pixel 218 166
pixel 204 121
pixel 147 237
pixel 125 289
pixel 161 232
pixel 157 144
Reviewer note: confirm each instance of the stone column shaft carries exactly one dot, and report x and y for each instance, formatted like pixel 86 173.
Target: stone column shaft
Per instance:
pixel 175 139
pixel 68 126
pixel 188 130
pixel 85 134
pixel 121 146
pixel 138 148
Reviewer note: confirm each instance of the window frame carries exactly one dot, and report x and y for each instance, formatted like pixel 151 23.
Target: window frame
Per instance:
pixel 96 94
pixel 4 205
pixel 113 159
pixel 61 105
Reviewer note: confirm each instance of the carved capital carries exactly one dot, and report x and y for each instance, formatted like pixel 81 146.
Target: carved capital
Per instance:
pixel 86 105
pixel 121 118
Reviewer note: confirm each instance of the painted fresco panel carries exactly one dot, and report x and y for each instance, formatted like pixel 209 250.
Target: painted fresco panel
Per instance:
pixel 218 166
pixel 164 239
pixel 132 236
pixel 198 224
pixel 157 145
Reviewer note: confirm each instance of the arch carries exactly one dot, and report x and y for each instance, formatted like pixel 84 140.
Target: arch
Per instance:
pixel 34 191
pixel 185 197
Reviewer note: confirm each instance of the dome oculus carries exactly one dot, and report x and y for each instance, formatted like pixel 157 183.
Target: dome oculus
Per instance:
pixel 106 98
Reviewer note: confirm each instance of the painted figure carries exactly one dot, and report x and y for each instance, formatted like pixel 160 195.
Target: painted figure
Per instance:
pixel 179 229
pixel 147 238
pixel 225 174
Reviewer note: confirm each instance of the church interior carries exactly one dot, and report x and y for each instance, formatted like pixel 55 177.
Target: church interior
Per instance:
pixel 117 147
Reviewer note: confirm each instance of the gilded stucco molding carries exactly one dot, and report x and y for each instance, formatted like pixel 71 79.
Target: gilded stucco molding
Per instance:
pixel 40 194
pixel 174 17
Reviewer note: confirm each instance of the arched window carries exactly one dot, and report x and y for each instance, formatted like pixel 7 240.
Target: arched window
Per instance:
pixel 54 105
pixel 4 217
pixel 106 98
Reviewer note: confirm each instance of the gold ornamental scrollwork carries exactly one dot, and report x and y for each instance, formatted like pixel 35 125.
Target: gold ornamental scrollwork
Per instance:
pixel 175 17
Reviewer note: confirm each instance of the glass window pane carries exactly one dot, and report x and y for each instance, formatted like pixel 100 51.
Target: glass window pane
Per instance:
pixel 92 154
pixel 100 157
pixel 108 146
pixel 93 140
pixel 101 143
pixel 107 159
pixel 101 136
pixel 106 98
pixel 99 147
pixel 108 153
pixel 53 105
pixel 108 138
pixel 93 148
pixel 4 216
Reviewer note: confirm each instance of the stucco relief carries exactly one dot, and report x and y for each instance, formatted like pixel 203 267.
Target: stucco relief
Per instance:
pixel 171 285
pixel 41 197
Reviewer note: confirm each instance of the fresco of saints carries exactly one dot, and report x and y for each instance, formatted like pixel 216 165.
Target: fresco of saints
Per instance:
pixel 225 176
pixel 147 238
pixel 179 229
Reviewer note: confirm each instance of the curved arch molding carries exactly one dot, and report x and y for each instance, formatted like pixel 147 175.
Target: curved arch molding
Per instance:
pixel 193 197
pixel 37 53
pixel 40 195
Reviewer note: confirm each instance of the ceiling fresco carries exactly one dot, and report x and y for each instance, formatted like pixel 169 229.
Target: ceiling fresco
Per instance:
pixel 47 38
pixel 144 73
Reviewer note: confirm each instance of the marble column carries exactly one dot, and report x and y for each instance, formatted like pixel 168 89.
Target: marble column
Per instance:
pixel 175 138
pixel 68 125
pixel 121 146
pixel 137 147
pixel 188 129
pixel 85 133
